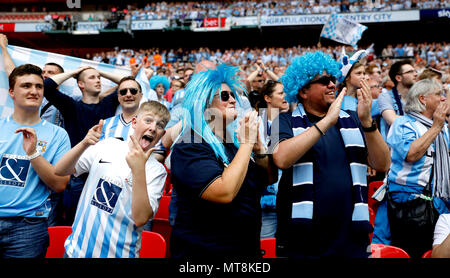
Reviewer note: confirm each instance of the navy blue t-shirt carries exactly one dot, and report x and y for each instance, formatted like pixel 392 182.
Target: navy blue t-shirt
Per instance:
pixel 204 228
pixel 331 233
pixel 78 116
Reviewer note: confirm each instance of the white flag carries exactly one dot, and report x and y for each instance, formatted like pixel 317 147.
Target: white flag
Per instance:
pixel 22 55
pixel 342 30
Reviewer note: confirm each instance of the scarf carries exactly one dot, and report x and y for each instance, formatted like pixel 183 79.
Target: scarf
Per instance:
pixel 441 159
pixel 303 172
pixel 398 103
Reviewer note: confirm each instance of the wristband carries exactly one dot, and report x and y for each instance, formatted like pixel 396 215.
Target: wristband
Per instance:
pixel 321 132
pixel 371 128
pixel 33 156
pixel 260 156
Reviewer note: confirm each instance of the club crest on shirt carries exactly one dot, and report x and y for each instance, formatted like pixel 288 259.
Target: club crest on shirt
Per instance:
pixel 41 146
pixel 14 170
pixel 106 195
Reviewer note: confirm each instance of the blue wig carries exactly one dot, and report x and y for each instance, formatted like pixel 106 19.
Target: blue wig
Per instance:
pixel 304 68
pixel 200 91
pixel 156 79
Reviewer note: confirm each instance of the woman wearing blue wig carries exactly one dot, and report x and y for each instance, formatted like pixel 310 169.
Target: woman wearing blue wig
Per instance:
pixel 217 171
pixel 324 153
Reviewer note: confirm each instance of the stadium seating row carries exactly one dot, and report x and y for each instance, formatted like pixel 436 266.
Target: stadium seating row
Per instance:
pixel 153 245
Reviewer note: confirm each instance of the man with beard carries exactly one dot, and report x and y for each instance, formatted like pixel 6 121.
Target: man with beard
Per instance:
pixel 391 103
pixel 324 152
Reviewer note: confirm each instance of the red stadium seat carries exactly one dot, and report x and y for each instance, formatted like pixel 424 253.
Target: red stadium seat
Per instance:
pixel 387 251
pixel 268 246
pixel 427 255
pixel 58 236
pixel 373 186
pixel 163 209
pixel 168 183
pixel 372 221
pixel 162 227
pixel 153 245
pixel 372 217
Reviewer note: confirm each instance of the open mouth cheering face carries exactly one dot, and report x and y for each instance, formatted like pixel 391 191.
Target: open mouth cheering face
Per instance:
pixel 148 129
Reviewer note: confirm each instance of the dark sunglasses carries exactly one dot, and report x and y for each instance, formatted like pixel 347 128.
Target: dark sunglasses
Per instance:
pixel 124 91
pixel 324 80
pixel 225 95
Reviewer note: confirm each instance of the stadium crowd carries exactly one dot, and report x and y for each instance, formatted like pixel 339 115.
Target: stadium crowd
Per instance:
pixel 196 10
pixel 287 141
pixel 277 59
pixel 199 10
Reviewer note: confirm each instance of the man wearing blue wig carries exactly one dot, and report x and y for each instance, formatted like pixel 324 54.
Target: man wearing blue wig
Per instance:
pixel 324 153
pixel 218 171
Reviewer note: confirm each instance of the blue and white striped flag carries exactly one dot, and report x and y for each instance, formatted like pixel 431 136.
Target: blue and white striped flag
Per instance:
pixel 342 30
pixel 22 55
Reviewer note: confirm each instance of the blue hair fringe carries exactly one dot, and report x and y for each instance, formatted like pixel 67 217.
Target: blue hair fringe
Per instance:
pixel 157 79
pixel 304 68
pixel 199 93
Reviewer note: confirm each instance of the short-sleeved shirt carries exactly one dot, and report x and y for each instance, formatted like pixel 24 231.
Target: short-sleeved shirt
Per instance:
pixel 78 116
pixel 351 103
pixel 386 102
pixel 22 192
pixel 204 228
pixel 116 127
pixel 414 175
pixel 331 233
pixel 103 225
pixel 442 229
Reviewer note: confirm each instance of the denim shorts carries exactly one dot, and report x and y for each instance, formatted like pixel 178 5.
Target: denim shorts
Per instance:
pixel 23 237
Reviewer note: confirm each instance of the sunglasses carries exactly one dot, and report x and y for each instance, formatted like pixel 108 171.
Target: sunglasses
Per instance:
pixel 324 80
pixel 225 95
pixel 124 91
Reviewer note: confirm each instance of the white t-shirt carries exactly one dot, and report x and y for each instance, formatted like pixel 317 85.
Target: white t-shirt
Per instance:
pixel 103 225
pixel 442 228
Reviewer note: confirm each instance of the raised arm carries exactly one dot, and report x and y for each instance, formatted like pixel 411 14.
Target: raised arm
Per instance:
pixel 252 77
pixel 289 151
pixel 66 165
pixel 7 60
pixel 379 156
pixel 421 144
pixel 41 166
pixel 141 210
pixel 114 77
pixel 225 188
pixel 270 73
pixel 61 77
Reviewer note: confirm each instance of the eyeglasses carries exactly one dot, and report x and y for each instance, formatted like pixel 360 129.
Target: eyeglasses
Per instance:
pixel 409 71
pixel 324 80
pixel 225 95
pixel 124 91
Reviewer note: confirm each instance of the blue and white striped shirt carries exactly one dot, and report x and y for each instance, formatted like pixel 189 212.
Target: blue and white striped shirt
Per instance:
pixel 403 132
pixel 103 225
pixel 116 127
